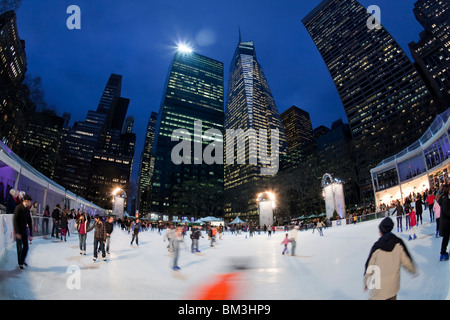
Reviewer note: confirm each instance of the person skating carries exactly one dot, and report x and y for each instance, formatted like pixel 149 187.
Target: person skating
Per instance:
pixel 382 268
pixel 419 208
pixel 430 200
pixel 21 220
pixel 109 225
pixel 64 223
pixel 399 213
pixel 412 225
pixel 170 236
pixel 99 237
pixel 177 241
pixel 444 222
pixel 135 229
pixel 320 226
pixel 82 226
pixel 285 242
pixel 196 234
pixel 293 239
pixel 56 216
pixel 437 214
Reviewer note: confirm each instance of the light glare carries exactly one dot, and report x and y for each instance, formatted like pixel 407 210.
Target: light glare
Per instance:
pixel 184 48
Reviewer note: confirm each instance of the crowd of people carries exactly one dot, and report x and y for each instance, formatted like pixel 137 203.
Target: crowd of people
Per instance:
pixel 388 254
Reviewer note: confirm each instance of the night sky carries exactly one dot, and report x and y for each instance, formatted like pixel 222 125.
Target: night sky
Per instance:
pixel 137 39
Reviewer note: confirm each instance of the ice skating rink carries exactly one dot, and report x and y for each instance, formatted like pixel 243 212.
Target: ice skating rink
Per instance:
pixel 325 268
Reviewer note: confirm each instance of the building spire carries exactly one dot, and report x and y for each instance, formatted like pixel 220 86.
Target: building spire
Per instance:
pixel 240 37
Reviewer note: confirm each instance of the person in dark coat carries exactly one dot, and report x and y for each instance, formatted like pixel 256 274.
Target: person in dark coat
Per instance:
pixel 56 216
pixel 419 208
pixel 444 221
pixel 22 220
pixel 99 237
pixel 10 202
pixel 399 210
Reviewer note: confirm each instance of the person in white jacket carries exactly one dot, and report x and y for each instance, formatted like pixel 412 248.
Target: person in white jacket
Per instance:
pixel 293 239
pixel 170 236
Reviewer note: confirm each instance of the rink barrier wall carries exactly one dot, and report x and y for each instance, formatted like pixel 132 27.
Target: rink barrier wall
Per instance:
pixel 42 226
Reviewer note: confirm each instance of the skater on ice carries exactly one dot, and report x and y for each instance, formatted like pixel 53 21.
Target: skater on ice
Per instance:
pixel 285 242
pixel 99 237
pixel 382 268
pixel 135 229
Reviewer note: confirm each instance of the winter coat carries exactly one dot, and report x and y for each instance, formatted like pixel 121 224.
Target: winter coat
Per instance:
pixel 64 221
pixel 100 231
pixel 21 219
pixel 430 199
pixel 412 217
pixel 286 241
pixel 56 214
pixel 196 234
pixel 444 222
pixel 135 227
pixel 78 226
pixel 10 204
pixel 399 210
pixel 437 209
pixel 109 227
pixel 388 254
pixel 419 208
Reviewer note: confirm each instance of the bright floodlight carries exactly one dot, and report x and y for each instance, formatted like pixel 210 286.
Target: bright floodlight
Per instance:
pixel 116 191
pixel 184 48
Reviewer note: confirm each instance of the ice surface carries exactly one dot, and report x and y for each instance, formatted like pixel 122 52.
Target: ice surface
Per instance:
pixel 326 268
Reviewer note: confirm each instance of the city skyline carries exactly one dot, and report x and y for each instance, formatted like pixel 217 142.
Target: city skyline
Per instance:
pixel 312 90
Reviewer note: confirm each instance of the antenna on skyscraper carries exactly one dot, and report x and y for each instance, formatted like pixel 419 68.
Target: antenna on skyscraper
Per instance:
pixel 240 37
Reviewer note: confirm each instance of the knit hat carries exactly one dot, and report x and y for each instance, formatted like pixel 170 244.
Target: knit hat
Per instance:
pixel 386 225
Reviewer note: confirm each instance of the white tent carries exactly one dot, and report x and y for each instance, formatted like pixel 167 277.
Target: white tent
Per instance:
pixel 237 220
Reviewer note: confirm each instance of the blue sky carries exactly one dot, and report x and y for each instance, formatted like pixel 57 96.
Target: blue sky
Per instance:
pixel 137 39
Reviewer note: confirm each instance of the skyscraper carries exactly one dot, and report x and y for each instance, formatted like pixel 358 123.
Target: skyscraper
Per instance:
pixel 250 105
pixel 432 52
pixel 13 95
pixel 193 103
pixel 387 103
pixel 298 128
pixel 96 155
pixel 146 167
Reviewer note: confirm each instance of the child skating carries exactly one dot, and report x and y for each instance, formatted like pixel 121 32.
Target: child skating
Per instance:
pixel 285 242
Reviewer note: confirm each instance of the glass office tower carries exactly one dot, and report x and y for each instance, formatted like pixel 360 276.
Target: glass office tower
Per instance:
pixel 387 103
pixel 250 105
pixel 193 95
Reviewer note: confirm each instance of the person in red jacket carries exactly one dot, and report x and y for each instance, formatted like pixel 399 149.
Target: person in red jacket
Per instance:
pixel 412 225
pixel 430 201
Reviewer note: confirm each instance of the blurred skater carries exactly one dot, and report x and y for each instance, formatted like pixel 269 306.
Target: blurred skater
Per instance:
pixel 293 239
pixel 382 268
pixel 177 241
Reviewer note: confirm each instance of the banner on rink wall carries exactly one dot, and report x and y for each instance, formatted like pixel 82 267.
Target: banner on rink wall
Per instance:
pixel 6 232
